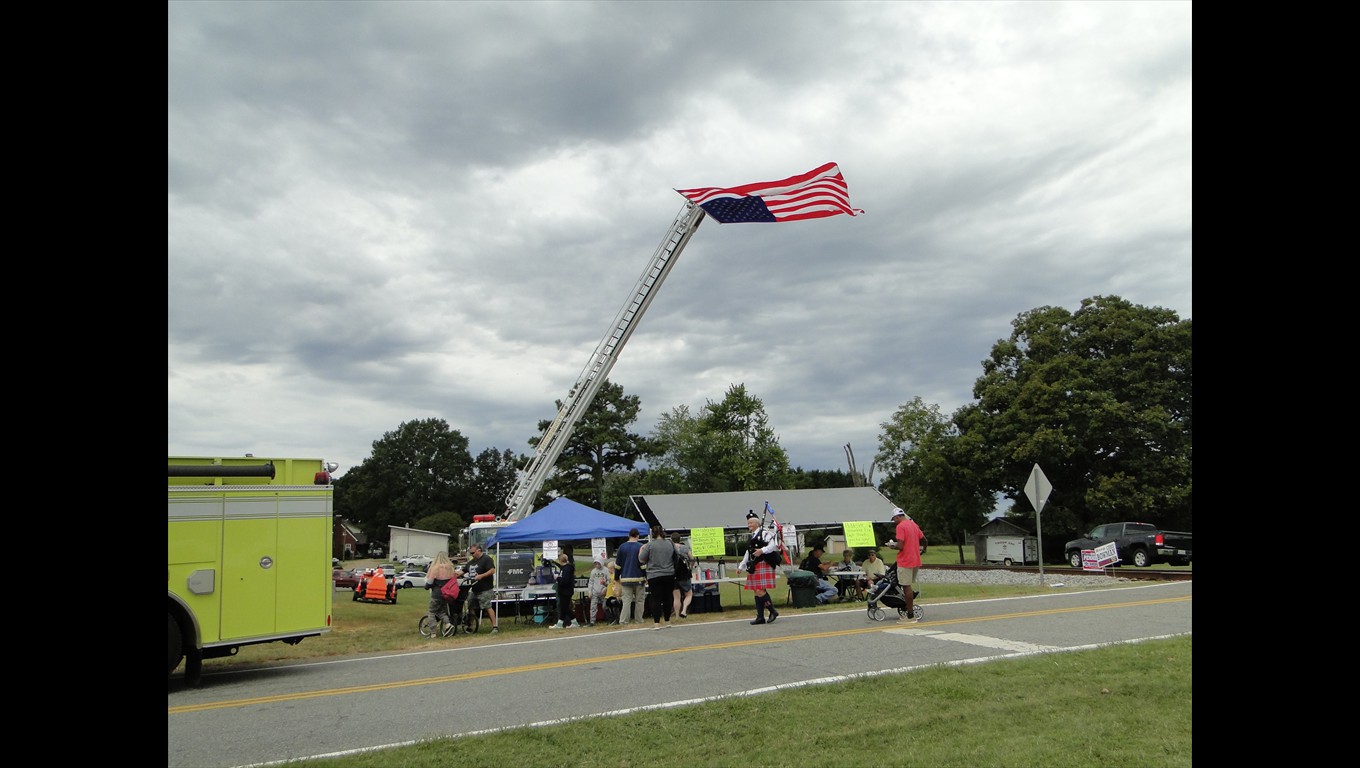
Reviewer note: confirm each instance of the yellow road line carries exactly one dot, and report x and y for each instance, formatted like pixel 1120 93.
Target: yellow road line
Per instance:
pixel 877 627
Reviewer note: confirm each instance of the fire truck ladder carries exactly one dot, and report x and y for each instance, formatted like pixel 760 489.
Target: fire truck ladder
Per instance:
pixel 520 502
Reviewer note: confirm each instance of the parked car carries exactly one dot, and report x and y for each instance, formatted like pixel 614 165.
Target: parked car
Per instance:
pixel 408 579
pixel 341 578
pixel 417 561
pixel 1142 544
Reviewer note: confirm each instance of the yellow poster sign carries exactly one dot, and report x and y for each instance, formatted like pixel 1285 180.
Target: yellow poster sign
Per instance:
pixel 860 533
pixel 707 542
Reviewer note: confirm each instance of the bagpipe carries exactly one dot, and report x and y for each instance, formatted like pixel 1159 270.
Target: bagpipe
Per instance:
pixel 769 529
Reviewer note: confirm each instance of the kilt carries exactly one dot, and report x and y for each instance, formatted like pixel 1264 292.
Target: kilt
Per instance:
pixel 761 578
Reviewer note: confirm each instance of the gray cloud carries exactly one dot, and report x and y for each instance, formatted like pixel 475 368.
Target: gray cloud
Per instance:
pixel 381 212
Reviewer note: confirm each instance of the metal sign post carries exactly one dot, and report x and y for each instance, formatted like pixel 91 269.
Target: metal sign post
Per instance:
pixel 1037 489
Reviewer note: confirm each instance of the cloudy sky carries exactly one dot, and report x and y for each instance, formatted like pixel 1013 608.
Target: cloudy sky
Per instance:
pixel 388 211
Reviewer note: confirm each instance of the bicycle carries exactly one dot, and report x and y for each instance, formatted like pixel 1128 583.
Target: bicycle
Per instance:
pixel 442 623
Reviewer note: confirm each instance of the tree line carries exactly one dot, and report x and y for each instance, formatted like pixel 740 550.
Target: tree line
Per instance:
pixel 1099 398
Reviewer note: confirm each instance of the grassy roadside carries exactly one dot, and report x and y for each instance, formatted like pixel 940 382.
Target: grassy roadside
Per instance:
pixel 1121 705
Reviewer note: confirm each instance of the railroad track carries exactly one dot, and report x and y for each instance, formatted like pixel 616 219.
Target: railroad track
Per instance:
pixel 1124 572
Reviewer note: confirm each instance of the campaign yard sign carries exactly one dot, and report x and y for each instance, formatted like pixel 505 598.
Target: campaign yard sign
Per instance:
pixel 1100 557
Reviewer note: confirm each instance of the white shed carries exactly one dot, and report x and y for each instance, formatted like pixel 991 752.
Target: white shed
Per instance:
pixel 1001 541
pixel 405 541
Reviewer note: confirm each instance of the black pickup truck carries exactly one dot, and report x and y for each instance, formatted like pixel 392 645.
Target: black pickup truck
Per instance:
pixel 1142 544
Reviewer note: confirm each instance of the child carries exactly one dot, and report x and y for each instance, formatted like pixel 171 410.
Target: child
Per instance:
pixel 599 584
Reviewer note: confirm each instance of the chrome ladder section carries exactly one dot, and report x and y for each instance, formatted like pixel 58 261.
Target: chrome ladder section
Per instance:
pixel 520 501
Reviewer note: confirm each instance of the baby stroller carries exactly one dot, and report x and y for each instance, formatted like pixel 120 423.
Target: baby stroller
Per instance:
pixel 887 593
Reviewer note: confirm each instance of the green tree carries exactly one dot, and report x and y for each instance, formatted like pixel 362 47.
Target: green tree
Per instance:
pixel 494 477
pixel 599 445
pixel 358 495
pixel 443 522
pixel 1101 400
pixel 929 477
pixel 421 469
pixel 810 479
pixel 730 447
pixel 679 446
pixel 621 487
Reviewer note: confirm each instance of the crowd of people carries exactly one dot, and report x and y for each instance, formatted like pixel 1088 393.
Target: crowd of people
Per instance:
pixel 661 570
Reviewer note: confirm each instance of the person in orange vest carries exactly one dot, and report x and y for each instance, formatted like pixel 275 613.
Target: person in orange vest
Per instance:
pixel 377 586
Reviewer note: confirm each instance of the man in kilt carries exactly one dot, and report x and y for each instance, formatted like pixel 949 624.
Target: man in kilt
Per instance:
pixel 762 553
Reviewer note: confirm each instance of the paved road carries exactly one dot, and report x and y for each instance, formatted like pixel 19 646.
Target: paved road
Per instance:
pixel 326 707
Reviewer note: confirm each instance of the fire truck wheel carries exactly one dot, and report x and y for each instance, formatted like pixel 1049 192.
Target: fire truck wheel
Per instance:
pixel 176 645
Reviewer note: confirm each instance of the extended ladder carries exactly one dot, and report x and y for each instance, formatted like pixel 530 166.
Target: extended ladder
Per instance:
pixel 520 502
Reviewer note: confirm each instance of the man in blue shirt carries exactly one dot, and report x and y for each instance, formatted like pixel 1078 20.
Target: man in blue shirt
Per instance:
pixel 632 581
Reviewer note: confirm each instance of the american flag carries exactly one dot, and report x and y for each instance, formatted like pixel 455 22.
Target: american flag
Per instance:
pixel 816 194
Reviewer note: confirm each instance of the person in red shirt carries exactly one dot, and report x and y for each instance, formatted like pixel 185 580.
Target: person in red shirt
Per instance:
pixel 907 541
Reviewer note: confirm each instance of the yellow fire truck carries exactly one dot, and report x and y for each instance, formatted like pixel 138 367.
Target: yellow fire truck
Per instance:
pixel 250 555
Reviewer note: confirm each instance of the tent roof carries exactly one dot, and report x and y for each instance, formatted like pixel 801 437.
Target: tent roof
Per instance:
pixel 567 520
pixel 813 508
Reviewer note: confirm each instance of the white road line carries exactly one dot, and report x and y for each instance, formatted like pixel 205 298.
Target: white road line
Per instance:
pixel 978 640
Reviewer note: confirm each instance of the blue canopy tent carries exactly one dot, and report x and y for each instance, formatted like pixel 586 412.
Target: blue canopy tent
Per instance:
pixel 561 520
pixel 566 520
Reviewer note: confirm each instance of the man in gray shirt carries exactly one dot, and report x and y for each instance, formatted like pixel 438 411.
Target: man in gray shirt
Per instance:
pixel 659 556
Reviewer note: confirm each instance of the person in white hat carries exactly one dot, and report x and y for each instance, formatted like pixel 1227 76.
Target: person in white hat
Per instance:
pixel 761 555
pixel 907 541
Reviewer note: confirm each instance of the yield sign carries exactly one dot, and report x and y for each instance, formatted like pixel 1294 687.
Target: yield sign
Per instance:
pixel 1037 489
